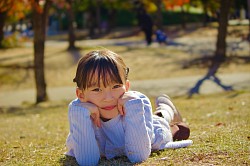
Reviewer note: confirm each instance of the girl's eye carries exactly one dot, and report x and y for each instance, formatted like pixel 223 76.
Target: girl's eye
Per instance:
pixel 96 90
pixel 117 86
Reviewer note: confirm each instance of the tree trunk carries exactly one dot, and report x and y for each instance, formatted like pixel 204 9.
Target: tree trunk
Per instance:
pixel 205 6
pixel 248 9
pixel 220 53
pixel 98 16
pixel 111 21
pixel 2 18
pixel 39 25
pixel 91 22
pixel 183 17
pixel 71 26
pixel 159 23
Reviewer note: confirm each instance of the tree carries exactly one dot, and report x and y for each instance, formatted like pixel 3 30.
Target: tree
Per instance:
pixel 159 18
pixel 248 9
pixel 248 4
pixel 40 15
pixel 14 9
pixel 112 8
pixel 68 6
pixel 209 7
pixel 71 20
pixel 2 18
pixel 171 3
pixel 220 53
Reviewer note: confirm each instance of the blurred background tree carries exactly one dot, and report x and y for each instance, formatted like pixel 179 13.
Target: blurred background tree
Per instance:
pixel 11 11
pixel 40 13
pixel 220 52
pixel 170 4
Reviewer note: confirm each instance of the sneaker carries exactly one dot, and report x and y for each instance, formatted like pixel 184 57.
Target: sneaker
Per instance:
pixel 180 131
pixel 165 99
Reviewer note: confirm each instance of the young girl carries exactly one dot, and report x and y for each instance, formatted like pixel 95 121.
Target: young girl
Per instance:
pixel 108 120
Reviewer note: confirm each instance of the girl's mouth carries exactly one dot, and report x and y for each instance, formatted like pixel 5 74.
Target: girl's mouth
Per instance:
pixel 109 108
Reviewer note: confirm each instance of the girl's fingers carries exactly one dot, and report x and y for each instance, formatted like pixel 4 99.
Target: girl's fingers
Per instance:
pixel 96 118
pixel 97 122
pixel 120 109
pixel 123 110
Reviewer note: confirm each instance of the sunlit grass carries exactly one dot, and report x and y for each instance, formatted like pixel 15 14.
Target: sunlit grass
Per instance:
pixel 36 135
pixel 219 128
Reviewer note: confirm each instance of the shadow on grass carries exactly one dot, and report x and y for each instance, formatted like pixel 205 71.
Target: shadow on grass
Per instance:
pixel 68 160
pixel 12 110
pixel 71 161
pixel 122 161
pixel 31 108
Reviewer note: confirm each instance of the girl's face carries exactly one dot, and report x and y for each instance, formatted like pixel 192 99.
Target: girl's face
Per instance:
pixel 104 97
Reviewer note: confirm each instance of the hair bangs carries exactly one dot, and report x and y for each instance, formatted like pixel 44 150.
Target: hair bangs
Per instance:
pixel 99 68
pixel 104 72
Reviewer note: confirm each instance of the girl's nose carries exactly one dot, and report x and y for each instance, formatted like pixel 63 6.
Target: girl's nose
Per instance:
pixel 108 96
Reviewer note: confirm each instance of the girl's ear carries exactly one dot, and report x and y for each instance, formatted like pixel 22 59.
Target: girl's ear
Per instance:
pixel 80 94
pixel 127 85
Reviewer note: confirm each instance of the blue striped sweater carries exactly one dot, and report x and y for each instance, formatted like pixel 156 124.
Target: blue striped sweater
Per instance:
pixel 134 135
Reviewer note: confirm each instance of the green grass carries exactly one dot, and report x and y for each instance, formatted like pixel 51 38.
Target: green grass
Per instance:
pixel 219 128
pixel 35 135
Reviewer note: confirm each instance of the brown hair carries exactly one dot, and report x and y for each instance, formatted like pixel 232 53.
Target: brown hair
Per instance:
pixel 108 66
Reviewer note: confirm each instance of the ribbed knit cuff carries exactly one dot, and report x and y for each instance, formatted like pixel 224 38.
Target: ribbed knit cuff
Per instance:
pixel 133 107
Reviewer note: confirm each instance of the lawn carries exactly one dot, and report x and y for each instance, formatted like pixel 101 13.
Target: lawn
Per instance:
pixel 219 129
pixel 35 135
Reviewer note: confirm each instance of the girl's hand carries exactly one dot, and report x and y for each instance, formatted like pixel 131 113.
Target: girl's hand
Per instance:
pixel 130 95
pixel 94 113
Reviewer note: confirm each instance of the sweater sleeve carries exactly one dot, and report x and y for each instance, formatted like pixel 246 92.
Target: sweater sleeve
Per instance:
pixel 137 136
pixel 83 142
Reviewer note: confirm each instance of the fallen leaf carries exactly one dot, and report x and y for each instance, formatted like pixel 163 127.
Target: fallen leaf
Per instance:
pixel 220 124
